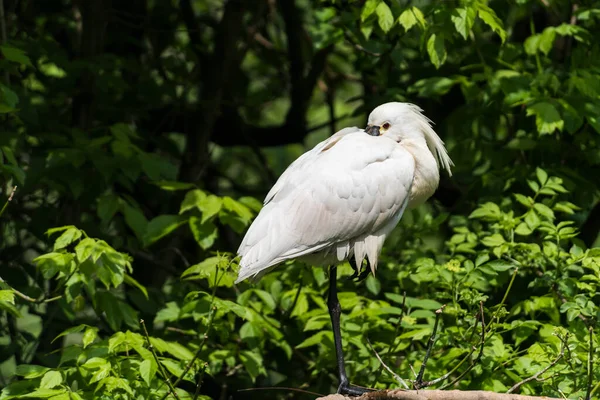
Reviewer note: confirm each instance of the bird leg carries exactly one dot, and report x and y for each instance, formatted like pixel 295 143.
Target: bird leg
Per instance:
pixel 335 311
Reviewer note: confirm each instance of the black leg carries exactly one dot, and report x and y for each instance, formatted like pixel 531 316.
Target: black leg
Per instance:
pixel 334 311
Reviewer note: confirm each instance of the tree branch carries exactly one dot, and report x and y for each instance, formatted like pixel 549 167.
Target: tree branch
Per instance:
pixel 435 395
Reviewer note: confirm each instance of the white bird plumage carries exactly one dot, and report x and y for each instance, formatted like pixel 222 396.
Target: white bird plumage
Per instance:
pixel 343 197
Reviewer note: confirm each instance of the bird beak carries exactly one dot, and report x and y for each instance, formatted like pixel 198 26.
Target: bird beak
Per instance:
pixel 372 130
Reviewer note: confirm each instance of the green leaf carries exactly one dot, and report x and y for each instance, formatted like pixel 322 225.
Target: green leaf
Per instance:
pixel 204 269
pixel 368 9
pixel 410 17
pixel 51 379
pixel 544 211
pixel 87 248
pixel 493 240
pixel 44 393
pixel 384 17
pixel 532 44
pixel 436 50
pixel 161 226
pixel 172 186
pixel 67 237
pixel 210 206
pixel 90 334
pixel 128 279
pixel 52 263
pixel 192 200
pixel 31 371
pixel 541 175
pixel 500 265
pixel 489 16
pixel 15 55
pixel 314 340
pixel 205 234
pixel 8 296
pixel 75 329
pixel 135 219
pixel 238 208
pixel 253 364
pixel 546 40
pixel 463 19
pixel 177 350
pixel 107 207
pixel 547 118
pixel 148 369
pixel 8 153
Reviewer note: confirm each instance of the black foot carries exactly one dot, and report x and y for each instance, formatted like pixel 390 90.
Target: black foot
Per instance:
pixel 364 274
pixel 350 390
pixel 358 275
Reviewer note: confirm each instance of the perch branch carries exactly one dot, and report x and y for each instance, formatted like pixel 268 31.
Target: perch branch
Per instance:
pixel 436 395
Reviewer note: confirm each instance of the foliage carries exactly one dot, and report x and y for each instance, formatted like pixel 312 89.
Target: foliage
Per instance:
pixel 140 136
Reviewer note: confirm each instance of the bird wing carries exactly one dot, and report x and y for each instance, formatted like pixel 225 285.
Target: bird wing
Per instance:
pixel 347 186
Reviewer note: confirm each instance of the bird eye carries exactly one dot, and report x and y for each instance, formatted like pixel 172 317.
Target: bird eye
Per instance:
pixel 386 126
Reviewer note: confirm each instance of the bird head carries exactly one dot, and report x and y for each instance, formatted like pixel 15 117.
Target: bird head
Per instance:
pixel 402 121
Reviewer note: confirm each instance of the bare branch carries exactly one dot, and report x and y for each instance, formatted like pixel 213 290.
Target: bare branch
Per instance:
pixel 388 369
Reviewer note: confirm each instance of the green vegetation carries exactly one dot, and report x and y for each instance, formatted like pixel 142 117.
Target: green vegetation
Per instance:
pixel 141 136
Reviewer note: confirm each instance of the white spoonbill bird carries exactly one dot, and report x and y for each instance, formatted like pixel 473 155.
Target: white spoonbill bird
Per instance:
pixel 340 200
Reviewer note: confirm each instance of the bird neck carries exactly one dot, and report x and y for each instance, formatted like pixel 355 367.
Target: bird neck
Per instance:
pixel 427 173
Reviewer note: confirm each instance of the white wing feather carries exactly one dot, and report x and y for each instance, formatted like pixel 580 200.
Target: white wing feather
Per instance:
pixel 341 198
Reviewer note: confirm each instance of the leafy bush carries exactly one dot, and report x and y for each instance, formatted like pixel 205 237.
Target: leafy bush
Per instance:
pixel 145 133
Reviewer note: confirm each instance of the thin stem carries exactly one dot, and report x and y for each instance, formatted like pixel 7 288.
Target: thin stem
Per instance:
pixel 393 346
pixel 29 298
pixel 12 193
pixel 388 369
pixel 512 280
pixel 419 380
pixel 590 367
pixel 160 367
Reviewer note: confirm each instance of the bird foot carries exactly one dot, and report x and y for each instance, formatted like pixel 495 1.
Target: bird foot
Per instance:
pixel 359 277
pixel 351 390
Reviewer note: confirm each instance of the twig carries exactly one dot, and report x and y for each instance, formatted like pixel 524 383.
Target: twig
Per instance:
pixel 160 367
pixel 31 299
pixel 512 280
pixel 535 376
pixel 419 381
pixel 590 367
pixel 388 369
pixel 12 193
pixel 199 383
